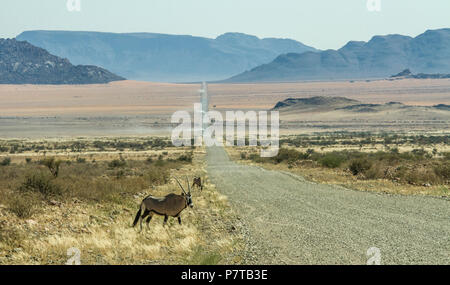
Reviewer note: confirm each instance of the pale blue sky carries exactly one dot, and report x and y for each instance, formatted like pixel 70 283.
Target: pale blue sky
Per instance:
pixel 321 23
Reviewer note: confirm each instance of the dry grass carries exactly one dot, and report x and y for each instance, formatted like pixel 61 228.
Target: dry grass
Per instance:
pixel 371 169
pixel 97 205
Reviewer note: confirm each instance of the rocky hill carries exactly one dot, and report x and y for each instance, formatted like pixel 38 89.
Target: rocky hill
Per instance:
pixel 314 102
pixel 23 63
pixel 408 74
pixel 339 108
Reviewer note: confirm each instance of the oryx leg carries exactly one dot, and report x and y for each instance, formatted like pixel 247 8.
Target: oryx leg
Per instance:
pixel 165 220
pixel 149 219
pixel 179 220
pixel 146 213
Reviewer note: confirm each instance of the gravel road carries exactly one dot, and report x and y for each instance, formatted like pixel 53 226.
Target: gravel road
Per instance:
pixel 292 221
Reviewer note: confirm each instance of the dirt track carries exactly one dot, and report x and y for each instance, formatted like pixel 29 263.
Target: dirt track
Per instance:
pixel 291 221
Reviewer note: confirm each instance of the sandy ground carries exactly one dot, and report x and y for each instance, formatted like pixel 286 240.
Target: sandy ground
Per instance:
pixel 141 108
pixel 133 97
pixel 117 98
pixel 265 96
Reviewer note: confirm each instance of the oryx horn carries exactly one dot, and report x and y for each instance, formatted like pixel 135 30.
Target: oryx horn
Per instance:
pixel 180 185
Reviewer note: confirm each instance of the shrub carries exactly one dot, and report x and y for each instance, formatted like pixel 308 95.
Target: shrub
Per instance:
pixel 120 174
pixel 23 205
pixel 28 160
pixel 257 158
pixel 377 171
pixel 117 163
pixel 420 175
pixel 419 152
pixel 40 183
pixel 186 157
pixel 289 155
pixel 6 161
pixel 358 166
pixel 332 160
pixel 81 160
pixel 443 171
pixel 160 163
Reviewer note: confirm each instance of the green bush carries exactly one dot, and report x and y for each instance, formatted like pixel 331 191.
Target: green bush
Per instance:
pixel 81 160
pixel 358 166
pixel 186 157
pixel 120 174
pixel 443 171
pixel 40 183
pixel 117 163
pixel 284 155
pixel 288 155
pixel 6 161
pixel 23 205
pixel 332 160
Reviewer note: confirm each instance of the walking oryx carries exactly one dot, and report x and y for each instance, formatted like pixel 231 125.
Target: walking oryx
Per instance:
pixel 172 205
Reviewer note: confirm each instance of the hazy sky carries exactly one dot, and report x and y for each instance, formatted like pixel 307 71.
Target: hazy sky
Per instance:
pixel 321 23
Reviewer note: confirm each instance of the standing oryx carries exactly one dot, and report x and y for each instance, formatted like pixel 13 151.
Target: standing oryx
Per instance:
pixel 171 205
pixel 198 182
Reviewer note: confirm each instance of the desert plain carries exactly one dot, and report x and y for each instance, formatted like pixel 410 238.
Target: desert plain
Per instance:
pixel 144 108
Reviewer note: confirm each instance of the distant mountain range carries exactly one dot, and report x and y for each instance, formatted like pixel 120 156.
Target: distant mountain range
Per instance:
pixel 378 58
pixel 23 63
pixel 161 57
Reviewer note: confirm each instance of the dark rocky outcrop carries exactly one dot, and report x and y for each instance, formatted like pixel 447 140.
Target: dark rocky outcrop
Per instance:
pixel 23 63
pixel 408 74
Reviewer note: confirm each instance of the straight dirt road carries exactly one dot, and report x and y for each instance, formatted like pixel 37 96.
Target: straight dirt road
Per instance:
pixel 292 221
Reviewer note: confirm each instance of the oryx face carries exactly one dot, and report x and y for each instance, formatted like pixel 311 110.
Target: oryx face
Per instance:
pixel 187 195
pixel 189 200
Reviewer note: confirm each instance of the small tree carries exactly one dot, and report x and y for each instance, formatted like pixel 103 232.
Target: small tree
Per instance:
pixel 360 165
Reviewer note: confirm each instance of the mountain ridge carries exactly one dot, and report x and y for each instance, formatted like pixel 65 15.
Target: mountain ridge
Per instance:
pixel 380 57
pixel 164 57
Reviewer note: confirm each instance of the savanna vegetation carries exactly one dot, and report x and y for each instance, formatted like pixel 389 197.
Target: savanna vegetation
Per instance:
pixel 53 201
pixel 380 162
pixel 82 145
